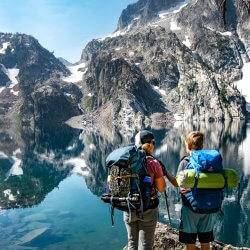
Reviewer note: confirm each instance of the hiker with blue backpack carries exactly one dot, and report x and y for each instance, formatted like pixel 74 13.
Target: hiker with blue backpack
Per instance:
pixel 200 206
pixel 135 177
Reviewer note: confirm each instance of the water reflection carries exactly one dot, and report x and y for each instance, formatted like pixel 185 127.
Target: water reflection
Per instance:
pixel 32 167
pixel 233 142
pixel 232 139
pixel 33 163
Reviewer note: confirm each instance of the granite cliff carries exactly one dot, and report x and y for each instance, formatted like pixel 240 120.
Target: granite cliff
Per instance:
pixel 32 93
pixel 185 58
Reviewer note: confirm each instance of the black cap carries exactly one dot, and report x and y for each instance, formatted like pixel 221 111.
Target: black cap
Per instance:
pixel 142 137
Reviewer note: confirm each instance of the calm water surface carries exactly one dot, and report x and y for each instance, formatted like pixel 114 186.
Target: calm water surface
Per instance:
pixel 50 182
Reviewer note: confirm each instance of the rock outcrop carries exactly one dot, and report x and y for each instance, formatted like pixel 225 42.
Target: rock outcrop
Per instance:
pixel 32 92
pixel 166 238
pixel 184 51
pixel 113 83
pixel 144 11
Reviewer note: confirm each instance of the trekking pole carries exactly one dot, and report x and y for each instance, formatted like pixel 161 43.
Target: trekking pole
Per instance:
pixel 167 205
pixel 165 192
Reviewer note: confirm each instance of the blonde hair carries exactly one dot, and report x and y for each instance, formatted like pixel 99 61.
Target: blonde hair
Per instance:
pixel 147 147
pixel 194 140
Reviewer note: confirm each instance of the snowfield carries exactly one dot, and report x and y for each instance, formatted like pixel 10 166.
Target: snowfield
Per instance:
pixel 174 26
pixel 79 166
pixel 76 73
pixel 161 91
pixel 172 10
pixel 12 75
pixel 4 47
pixel 187 42
pixel 243 85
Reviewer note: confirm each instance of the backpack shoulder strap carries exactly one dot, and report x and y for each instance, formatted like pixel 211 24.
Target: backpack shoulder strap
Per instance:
pixel 186 158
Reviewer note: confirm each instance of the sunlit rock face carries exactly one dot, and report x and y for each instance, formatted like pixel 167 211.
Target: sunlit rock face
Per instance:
pixel 31 83
pixel 144 11
pixel 118 91
pixel 188 52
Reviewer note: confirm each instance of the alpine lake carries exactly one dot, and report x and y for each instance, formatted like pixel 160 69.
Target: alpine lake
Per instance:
pixel 51 181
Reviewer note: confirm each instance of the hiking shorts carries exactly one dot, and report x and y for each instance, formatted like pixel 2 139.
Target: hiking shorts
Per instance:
pixel 194 224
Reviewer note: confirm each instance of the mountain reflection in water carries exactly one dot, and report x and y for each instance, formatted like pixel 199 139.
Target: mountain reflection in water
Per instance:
pixel 33 164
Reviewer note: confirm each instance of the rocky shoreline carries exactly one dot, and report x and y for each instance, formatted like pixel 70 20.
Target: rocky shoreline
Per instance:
pixel 166 238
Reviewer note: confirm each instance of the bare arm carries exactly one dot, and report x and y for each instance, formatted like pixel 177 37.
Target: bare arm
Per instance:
pixel 160 184
pixel 169 176
pixel 172 179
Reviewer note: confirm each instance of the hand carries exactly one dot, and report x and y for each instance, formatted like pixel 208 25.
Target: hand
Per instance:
pixel 169 176
pixel 184 190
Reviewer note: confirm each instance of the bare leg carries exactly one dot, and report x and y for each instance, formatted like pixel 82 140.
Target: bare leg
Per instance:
pixel 190 247
pixel 205 246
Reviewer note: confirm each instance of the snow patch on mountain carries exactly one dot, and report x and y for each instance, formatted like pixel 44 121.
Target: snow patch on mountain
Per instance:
pixel 12 74
pixel 118 32
pixel 17 152
pixel 161 91
pixel 115 34
pixel 161 150
pixel 3 155
pixel 80 166
pixel 2 89
pixel 16 93
pixel 173 10
pixel 243 85
pixel 4 47
pixel 187 42
pixel 226 33
pixel 246 153
pixel 178 117
pixel 174 26
pixel 7 193
pixel 77 72
pixel 16 169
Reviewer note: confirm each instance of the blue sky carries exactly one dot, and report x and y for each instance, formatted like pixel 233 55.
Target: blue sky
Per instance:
pixel 62 26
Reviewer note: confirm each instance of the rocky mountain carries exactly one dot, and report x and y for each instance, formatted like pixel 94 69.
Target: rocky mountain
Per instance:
pixel 31 90
pixel 169 60
pixel 64 61
pixel 144 11
pixel 34 104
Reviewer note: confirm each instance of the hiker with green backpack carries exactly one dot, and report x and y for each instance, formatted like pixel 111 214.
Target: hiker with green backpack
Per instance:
pixel 202 180
pixel 135 178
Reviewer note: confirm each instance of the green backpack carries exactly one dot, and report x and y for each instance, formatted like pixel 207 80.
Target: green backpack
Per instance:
pixel 129 185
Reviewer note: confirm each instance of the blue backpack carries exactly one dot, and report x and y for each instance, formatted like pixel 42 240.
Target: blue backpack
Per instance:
pixel 204 200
